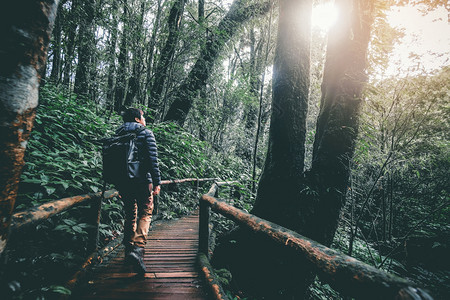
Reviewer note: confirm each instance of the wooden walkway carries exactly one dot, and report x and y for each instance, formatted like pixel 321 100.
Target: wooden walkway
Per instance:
pixel 170 259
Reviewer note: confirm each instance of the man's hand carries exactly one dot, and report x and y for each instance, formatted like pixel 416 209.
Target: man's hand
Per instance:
pixel 156 190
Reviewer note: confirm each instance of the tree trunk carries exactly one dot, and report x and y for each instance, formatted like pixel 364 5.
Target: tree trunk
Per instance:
pixel 121 82
pixel 135 79
pixel 260 109
pixel 391 205
pixel 55 74
pixel 259 266
pixel 85 48
pixel 284 163
pixel 167 53
pixel 70 43
pixel 25 35
pixel 151 50
pixel 189 88
pixel 251 109
pixel 383 211
pixel 112 57
pixel 337 125
pixel 201 11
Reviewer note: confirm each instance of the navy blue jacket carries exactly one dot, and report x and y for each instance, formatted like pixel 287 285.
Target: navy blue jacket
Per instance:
pixel 148 152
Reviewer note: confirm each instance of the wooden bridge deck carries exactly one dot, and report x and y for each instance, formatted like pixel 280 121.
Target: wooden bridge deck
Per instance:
pixel 170 259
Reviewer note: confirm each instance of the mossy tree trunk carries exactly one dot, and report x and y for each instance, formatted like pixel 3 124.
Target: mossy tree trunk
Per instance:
pixel 25 31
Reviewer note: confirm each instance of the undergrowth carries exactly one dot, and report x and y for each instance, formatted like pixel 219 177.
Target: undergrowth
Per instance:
pixel 63 159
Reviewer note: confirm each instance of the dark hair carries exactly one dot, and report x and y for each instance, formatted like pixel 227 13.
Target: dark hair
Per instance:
pixel 131 114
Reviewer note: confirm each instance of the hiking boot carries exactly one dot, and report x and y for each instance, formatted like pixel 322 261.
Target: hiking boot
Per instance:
pixel 136 257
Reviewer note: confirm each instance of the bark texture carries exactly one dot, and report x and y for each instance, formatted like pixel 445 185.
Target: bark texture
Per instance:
pixel 284 163
pixel 25 34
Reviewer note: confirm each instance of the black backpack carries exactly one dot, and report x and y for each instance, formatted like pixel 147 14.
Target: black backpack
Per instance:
pixel 120 158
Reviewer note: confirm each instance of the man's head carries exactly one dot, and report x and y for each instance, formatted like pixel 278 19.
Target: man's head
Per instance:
pixel 134 115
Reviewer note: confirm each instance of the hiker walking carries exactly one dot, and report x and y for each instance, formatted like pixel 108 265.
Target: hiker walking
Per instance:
pixel 137 193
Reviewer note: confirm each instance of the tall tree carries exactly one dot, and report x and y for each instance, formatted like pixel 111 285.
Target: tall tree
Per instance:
pixel 112 44
pixel 337 124
pixel 285 158
pixel 162 68
pixel 283 170
pixel 85 47
pixel 239 13
pixel 307 202
pixel 25 35
pixel 121 82
pixel 55 74
pixel 151 49
pixel 71 32
pixel 134 81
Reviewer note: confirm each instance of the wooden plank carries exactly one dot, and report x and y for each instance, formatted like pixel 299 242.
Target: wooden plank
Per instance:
pixel 170 258
pixel 166 275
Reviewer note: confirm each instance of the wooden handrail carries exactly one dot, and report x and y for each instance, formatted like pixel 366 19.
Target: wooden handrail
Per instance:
pixel 49 209
pixel 169 181
pixel 344 273
pixel 40 213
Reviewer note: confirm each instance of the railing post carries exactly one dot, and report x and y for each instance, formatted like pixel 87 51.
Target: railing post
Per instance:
pixel 96 209
pixel 203 242
pixel 196 187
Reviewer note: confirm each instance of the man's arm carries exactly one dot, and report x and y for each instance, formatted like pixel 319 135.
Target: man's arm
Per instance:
pixel 153 159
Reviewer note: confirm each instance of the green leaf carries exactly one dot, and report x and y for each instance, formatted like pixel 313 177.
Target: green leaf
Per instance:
pixel 50 190
pixel 60 290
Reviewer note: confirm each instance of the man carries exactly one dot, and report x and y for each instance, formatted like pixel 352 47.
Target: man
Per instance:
pixel 137 194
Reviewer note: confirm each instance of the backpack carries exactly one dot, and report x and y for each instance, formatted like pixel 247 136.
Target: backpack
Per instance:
pixel 120 158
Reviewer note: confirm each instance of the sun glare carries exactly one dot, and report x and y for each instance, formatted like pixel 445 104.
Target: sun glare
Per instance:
pixel 324 16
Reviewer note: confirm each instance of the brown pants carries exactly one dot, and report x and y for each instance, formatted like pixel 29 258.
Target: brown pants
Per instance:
pixel 138 206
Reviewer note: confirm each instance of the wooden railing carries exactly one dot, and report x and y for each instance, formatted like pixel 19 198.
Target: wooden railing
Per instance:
pixel 40 213
pixel 344 273
pixel 35 215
